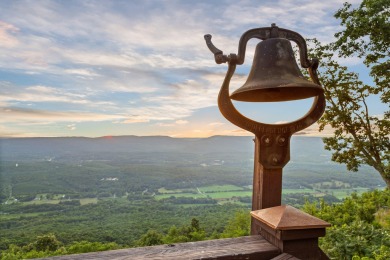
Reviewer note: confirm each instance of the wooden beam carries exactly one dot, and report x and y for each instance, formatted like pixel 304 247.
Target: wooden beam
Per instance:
pixel 285 257
pixel 249 247
pixel 267 187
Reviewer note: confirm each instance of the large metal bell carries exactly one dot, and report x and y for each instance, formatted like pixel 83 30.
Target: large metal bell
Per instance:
pixel 275 75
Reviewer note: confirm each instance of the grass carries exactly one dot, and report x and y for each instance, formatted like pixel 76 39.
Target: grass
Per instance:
pixel 333 184
pixel 342 193
pixel 165 191
pixel 38 202
pixel 88 201
pixel 290 191
pixel 16 216
pixel 222 193
pixel 229 194
pixel 56 201
pixel 383 217
pixel 219 188
pixel 226 192
pixel 215 192
pixel 222 202
pixel 177 195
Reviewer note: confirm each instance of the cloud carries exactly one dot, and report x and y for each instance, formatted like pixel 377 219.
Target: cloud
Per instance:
pixel 7 38
pixel 173 124
pixel 178 101
pixel 81 72
pixel 165 124
pixel 99 36
pixel 134 119
pixel 280 122
pixel 216 124
pixel 23 116
pixel 310 18
pixel 71 127
pixel 181 122
pixel 313 131
pixel 136 61
pixel 39 94
pixel 11 95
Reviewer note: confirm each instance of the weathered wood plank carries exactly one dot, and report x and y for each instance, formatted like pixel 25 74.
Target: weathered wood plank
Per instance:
pixel 250 247
pixel 285 256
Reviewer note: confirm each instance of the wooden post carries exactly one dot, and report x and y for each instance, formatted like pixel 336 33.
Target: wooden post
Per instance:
pixel 291 230
pixel 267 187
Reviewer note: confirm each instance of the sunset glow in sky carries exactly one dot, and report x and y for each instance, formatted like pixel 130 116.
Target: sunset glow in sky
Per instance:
pixel 105 68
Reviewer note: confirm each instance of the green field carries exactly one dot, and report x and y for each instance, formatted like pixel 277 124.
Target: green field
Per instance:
pixel 39 202
pixel 227 192
pixel 83 201
pixel 19 215
pixel 88 201
pixel 221 193
pixel 220 188
pixel 342 193
pixel 177 195
pixel 166 191
pixel 290 191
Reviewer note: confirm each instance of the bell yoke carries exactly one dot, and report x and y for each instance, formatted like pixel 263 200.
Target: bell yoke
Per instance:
pixel 274 77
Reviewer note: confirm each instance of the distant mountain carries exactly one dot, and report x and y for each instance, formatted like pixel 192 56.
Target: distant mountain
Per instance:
pixel 228 155
pixel 147 144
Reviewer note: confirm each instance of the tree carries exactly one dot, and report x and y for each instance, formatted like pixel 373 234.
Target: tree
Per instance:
pixel 355 239
pixel 78 247
pixel 151 238
pixel 359 137
pixel 356 232
pixel 367 35
pixel 46 242
pixel 238 226
pixel 188 233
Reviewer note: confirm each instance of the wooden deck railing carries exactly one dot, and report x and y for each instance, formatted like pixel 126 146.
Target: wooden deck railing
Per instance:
pixel 250 247
pixel 282 232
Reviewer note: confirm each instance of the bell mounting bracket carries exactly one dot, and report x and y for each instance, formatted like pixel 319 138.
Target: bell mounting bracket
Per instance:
pixel 263 33
pixel 272 140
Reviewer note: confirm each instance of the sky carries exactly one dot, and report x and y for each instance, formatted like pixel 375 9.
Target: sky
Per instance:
pixel 106 68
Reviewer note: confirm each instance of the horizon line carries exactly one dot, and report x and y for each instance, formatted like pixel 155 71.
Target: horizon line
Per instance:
pixel 115 136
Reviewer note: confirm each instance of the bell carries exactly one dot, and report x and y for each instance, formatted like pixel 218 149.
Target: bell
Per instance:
pixel 275 75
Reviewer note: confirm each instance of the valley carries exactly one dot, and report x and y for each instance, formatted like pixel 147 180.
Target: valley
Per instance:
pixel 116 189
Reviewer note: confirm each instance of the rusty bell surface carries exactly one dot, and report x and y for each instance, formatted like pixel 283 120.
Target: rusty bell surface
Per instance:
pixel 275 75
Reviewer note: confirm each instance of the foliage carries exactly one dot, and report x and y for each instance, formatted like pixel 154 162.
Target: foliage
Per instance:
pixel 151 238
pixel 359 137
pixel 367 35
pixel 48 245
pixel 355 239
pixel 238 226
pixel 383 253
pixel 355 231
pixel 189 200
pixel 79 247
pixel 188 233
pixel 129 209
pixel 47 242
pixel 299 199
pixel 71 202
pixel 60 178
pixel 119 221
